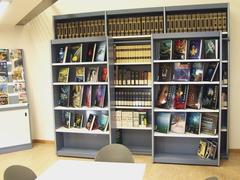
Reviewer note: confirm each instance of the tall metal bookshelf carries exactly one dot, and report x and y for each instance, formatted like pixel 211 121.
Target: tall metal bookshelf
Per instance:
pixel 102 26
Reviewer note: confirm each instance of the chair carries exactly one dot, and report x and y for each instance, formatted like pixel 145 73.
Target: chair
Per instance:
pixel 114 153
pixel 18 172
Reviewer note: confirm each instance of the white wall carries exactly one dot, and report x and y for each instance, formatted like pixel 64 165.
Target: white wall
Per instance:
pixel 40 32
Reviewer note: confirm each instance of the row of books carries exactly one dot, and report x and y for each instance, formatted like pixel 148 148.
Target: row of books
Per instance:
pixel 76 120
pixel 87 52
pixel 188 71
pixel 124 76
pixel 192 122
pixel 78 96
pixel 80 28
pixel 92 74
pixel 196 22
pixel 130 118
pixel 132 53
pixel 126 26
pixel 188 49
pixel 127 97
pixel 207 149
pixel 181 96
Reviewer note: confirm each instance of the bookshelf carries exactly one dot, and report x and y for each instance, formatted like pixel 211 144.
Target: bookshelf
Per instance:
pixel 125 31
pixel 14 110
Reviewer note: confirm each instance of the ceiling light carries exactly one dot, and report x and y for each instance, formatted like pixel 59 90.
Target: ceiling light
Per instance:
pixel 3 6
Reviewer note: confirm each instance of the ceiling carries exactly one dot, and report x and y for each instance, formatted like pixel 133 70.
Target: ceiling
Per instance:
pixel 17 10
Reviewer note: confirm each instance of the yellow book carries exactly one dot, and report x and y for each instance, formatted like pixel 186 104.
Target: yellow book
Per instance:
pixel 63 74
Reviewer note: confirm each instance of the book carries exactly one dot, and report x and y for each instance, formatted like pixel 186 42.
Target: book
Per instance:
pixel 210 96
pixel 4 55
pixel 19 87
pixel 209 123
pixel 92 122
pixel 180 99
pixel 162 122
pixel 100 96
pixel 165 72
pixel 103 122
pixel 165 49
pixel 16 56
pixel 62 54
pixel 78 120
pixel 80 74
pixel 3 94
pixel 66 118
pixel 194 48
pixel 178 123
pixel 211 150
pixel 77 93
pixel 166 96
pixel 88 52
pixel 63 74
pixel 64 95
pixel 75 54
pixel 87 96
pixel 104 74
pixel 3 72
pixel 181 72
pixel 193 122
pixel 194 97
pixel 22 97
pixel 92 74
pixel 100 52
pixel 179 49
pixel 196 72
pixel 210 48
pixel 210 71
pixel 202 147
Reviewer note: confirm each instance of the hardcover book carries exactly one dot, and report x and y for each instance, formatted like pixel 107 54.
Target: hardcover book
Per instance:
pixel 16 56
pixel 3 94
pixel 63 74
pixel 78 120
pixel 100 96
pixel 181 72
pixel 180 99
pixel 211 150
pixel 166 96
pixel 165 72
pixel 162 122
pixel 19 87
pixel 194 97
pixel 80 74
pixel 4 55
pixel 92 122
pixel 165 49
pixel 92 74
pixel 64 96
pixel 202 148
pixel 210 49
pixel 210 96
pixel 77 93
pixel 100 52
pixel 66 118
pixel 179 49
pixel 193 122
pixel 62 54
pixel 194 49
pixel 76 53
pixel 3 72
pixel 87 96
pixel 88 52
pixel 103 122
pixel 196 72
pixel 104 74
pixel 22 97
pixel 209 123
pixel 178 122
pixel 210 71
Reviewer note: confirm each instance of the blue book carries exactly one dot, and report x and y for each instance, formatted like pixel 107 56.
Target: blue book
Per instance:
pixel 193 122
pixel 162 122
pixel 195 49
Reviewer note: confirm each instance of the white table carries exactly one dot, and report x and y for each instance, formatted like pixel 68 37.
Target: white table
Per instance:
pixel 86 170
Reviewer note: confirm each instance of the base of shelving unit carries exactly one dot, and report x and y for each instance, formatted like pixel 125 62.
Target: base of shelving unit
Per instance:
pixel 183 159
pixel 75 152
pixel 15 148
pixel 224 156
pixel 140 150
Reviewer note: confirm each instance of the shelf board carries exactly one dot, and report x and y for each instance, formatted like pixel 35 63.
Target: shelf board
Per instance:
pixel 81 108
pixel 186 60
pixel 79 63
pixel 140 149
pixel 9 106
pixel 132 37
pixel 12 94
pixel 187 82
pixel 224 85
pixel 81 131
pixel 186 135
pixel 183 159
pixel 134 63
pixel 132 86
pixel 224 108
pixel 135 128
pixel 185 110
pixel 224 129
pixel 77 152
pixel 225 32
pixel 79 83
pixel 131 107
pixel 224 61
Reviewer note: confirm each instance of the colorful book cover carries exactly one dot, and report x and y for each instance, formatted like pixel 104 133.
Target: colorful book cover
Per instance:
pixel 77 92
pixel 162 122
pixel 3 94
pixel 180 99
pixel 19 87
pixel 76 53
pixel 100 52
pixel 211 150
pixel 103 122
pixel 63 74
pixel 181 72
pixel 210 49
pixel 80 74
pixel 202 148
pixel 92 122
pixel 88 52
pixel 3 71
pixel 78 120
pixel 193 122
pixel 210 96
pixel 196 72
pixel 194 49
pixel 166 96
pixel 194 97
pixel 64 96
pixel 4 54
pixel 16 56
pixel 92 74
pixel 179 49
pixel 66 118
pixel 165 49
pixel 165 72
pixel 209 123
pixel 62 54
pixel 100 96
pixel 87 96
pixel 104 74
pixel 22 97
pixel 178 123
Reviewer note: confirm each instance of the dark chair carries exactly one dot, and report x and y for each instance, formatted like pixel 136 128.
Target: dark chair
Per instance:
pixel 18 172
pixel 114 153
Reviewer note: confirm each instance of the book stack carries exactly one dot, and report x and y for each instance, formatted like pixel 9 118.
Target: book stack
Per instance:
pixel 207 149
pixel 80 28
